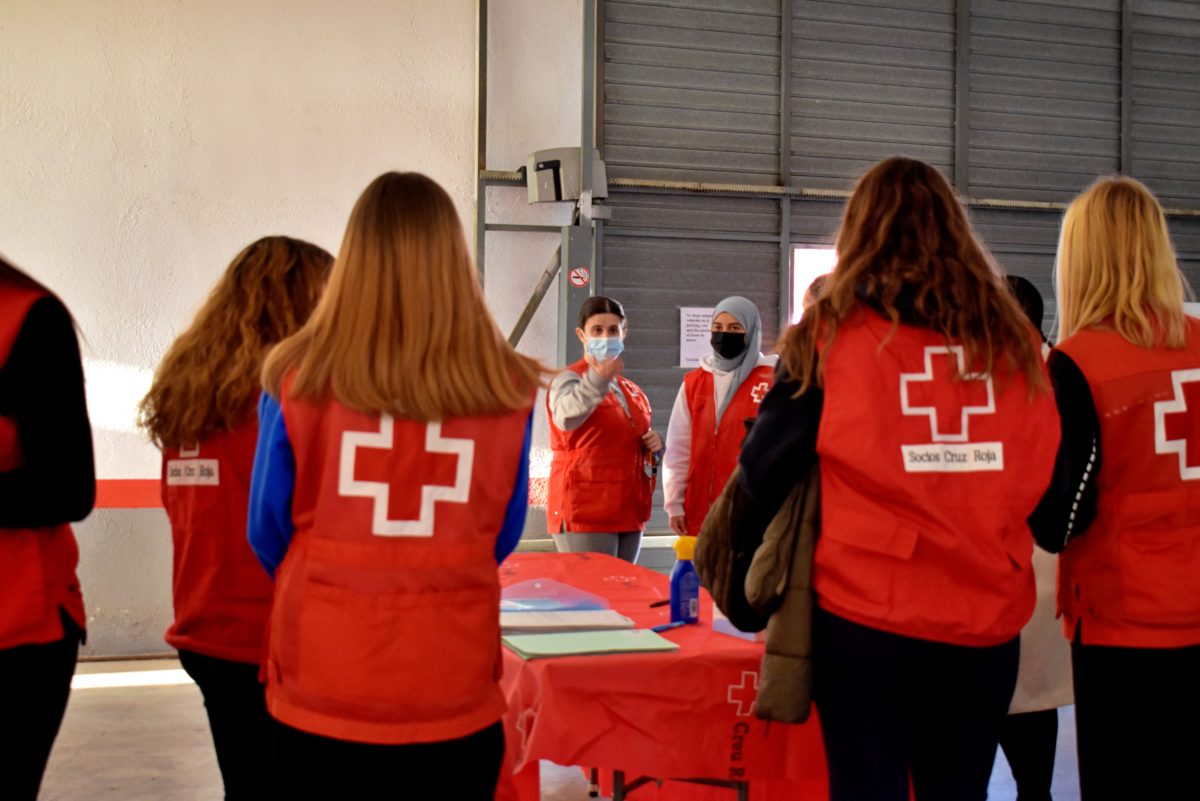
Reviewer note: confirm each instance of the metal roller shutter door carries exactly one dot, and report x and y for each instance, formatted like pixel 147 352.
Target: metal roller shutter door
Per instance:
pixel 1166 100
pixel 1045 97
pixel 870 79
pixel 691 90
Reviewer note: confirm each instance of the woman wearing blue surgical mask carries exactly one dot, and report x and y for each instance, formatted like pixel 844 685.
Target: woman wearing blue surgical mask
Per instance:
pixel 605 455
pixel 708 422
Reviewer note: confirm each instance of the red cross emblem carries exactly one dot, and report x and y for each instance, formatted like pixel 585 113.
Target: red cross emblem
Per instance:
pixel 945 399
pixel 417 513
pixel 744 694
pixel 1177 422
pixel 759 392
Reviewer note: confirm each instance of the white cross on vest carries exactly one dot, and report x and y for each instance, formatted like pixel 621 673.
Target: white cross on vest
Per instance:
pixel 943 395
pixel 380 491
pixel 1175 425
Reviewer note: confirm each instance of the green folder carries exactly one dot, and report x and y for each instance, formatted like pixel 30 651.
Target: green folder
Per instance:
pixel 574 643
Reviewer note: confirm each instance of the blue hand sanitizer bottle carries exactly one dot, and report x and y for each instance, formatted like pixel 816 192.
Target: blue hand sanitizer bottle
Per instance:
pixel 685 583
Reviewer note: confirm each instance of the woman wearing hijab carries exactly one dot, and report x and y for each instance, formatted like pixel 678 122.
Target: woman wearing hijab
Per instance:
pixel 707 424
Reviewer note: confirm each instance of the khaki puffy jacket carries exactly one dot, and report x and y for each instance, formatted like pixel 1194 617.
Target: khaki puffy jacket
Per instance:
pixel 767 583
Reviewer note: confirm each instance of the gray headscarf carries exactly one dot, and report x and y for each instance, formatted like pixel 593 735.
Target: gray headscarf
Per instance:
pixel 742 365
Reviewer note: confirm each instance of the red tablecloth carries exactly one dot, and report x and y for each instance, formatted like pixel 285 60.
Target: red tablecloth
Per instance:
pixel 685 714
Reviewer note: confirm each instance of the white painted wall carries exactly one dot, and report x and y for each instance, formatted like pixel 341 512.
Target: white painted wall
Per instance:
pixel 535 66
pixel 143 144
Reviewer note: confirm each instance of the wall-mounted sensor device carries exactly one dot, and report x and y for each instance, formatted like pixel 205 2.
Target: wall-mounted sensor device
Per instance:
pixel 554 174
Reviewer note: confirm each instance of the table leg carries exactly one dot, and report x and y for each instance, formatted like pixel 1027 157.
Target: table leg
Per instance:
pixel 618 785
pixel 594 783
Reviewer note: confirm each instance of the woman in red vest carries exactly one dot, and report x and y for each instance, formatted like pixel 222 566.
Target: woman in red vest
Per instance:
pixel 47 481
pixel 1125 511
pixel 391 477
pixel 708 422
pixel 200 412
pixel 605 455
pixel 917 384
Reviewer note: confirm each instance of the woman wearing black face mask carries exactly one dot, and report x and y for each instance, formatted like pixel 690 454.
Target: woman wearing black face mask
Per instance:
pixel 708 422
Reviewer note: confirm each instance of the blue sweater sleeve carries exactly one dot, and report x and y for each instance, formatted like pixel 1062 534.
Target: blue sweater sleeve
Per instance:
pixel 269 518
pixel 518 504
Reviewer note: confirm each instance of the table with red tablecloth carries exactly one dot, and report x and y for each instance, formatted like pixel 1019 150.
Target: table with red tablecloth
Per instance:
pixel 683 714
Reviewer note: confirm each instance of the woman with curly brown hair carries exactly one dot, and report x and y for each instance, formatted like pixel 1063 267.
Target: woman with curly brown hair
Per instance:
pixel 917 384
pixel 201 412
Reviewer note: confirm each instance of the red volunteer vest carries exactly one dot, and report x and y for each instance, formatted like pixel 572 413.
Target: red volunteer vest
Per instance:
pixel 1133 578
pixel 37 565
pixel 926 486
pixel 715 447
pixel 598 476
pixel 222 594
pixel 385 627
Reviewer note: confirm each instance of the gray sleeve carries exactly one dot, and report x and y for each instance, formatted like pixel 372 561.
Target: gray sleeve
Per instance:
pixel 574 397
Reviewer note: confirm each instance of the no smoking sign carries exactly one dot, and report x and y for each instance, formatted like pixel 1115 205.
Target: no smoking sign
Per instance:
pixel 579 277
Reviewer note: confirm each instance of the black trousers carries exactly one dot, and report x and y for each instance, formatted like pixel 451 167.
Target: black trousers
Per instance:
pixel 895 709
pixel 1029 740
pixel 1137 721
pixel 241 727
pixel 314 768
pixel 35 681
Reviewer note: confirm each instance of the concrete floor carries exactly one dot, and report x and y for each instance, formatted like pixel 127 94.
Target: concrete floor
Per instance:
pixel 151 743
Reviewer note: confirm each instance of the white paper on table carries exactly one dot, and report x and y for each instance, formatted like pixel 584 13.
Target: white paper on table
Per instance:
pixel 579 620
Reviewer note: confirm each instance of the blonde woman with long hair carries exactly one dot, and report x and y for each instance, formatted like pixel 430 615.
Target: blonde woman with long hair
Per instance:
pixel 200 412
pixel 1125 506
pixel 917 385
pixel 391 477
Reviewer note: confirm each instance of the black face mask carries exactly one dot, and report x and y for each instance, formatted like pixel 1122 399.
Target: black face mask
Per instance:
pixel 728 344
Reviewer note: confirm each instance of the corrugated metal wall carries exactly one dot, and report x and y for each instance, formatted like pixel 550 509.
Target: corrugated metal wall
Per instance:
pixel 870 80
pixel 692 90
pixel 1166 99
pixel 1045 97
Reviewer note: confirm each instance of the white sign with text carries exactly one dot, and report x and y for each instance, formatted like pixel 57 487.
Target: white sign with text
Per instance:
pixel 695 324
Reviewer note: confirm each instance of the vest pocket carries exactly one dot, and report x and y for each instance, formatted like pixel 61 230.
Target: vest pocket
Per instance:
pixel 395 657
pixel 599 496
pixel 870 533
pixel 859 559
pixel 1159 585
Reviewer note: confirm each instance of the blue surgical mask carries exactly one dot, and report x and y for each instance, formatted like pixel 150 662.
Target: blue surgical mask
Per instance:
pixel 605 348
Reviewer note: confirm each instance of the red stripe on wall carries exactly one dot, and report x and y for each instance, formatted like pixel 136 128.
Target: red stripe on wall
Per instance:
pixel 128 493
pixel 143 493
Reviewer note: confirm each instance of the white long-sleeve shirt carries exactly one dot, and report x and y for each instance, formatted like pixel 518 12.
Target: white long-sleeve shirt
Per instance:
pixel 573 397
pixel 678 454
